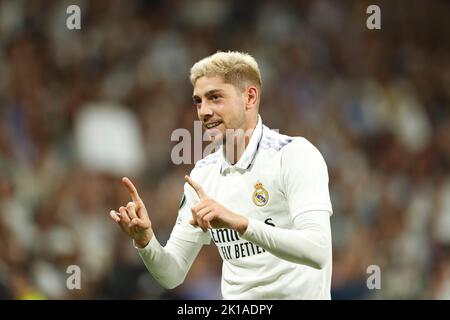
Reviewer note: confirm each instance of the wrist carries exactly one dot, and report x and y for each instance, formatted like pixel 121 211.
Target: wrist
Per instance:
pixel 241 225
pixel 144 241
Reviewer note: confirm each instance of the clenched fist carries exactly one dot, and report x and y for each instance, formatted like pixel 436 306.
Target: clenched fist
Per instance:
pixel 208 213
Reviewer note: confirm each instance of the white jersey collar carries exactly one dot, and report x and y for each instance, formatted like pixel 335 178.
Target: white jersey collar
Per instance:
pixel 250 151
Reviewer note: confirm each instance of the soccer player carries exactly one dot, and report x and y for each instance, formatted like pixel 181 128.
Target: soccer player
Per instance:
pixel 265 205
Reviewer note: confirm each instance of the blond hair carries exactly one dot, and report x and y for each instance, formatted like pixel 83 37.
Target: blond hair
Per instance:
pixel 236 68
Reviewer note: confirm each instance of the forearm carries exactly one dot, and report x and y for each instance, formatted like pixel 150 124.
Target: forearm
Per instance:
pixel 309 243
pixel 170 264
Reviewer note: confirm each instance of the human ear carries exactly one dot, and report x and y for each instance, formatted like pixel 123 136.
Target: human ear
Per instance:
pixel 251 95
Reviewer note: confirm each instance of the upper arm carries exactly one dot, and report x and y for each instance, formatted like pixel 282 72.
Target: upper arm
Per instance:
pixel 183 251
pixel 304 178
pixel 317 223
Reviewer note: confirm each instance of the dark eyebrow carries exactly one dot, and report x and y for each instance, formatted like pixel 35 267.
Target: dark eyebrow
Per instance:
pixel 208 94
pixel 213 92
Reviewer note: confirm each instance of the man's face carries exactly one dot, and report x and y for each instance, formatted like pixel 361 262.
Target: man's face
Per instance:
pixel 220 106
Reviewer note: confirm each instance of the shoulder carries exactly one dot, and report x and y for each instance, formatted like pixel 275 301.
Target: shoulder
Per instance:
pixel 206 164
pixel 274 140
pixel 300 146
pixel 200 173
pixel 208 161
pixel 302 153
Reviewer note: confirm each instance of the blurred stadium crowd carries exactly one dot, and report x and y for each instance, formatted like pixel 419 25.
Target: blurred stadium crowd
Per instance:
pixel 80 109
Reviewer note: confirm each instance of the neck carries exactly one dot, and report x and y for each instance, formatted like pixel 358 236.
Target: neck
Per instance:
pixel 237 142
pixel 235 147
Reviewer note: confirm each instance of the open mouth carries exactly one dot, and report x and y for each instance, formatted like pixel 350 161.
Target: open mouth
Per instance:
pixel 211 125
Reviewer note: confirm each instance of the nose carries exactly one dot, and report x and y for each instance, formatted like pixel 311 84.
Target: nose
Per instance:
pixel 204 111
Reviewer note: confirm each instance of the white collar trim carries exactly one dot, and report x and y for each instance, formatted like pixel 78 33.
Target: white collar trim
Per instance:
pixel 250 151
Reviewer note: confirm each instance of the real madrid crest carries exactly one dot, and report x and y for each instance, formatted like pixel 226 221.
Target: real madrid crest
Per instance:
pixel 260 196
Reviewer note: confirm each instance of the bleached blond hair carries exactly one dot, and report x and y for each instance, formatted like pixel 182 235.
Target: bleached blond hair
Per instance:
pixel 236 68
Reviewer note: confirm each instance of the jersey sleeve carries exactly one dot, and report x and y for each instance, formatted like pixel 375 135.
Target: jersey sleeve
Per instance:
pixel 183 229
pixel 304 178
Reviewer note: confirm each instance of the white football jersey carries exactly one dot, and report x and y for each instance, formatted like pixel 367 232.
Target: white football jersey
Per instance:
pixel 277 178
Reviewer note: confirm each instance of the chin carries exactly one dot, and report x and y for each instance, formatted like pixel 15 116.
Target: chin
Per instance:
pixel 215 135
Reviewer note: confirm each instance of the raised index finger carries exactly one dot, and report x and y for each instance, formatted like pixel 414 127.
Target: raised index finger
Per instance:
pixel 198 188
pixel 131 189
